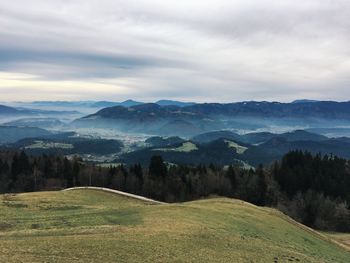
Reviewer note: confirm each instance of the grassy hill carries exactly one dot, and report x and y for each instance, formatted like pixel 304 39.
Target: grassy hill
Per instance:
pixel 95 226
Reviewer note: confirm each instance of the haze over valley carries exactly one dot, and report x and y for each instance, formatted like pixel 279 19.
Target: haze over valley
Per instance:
pixel 85 128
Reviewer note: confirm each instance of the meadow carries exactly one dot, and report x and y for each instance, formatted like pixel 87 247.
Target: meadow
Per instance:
pixel 96 226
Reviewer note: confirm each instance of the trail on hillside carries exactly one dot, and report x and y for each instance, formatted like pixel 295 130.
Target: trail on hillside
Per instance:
pixel 139 197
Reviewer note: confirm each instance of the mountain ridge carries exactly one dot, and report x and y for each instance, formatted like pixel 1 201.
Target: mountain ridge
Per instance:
pixel 152 118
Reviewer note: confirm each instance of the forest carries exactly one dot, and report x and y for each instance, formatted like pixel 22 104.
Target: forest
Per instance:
pixel 312 189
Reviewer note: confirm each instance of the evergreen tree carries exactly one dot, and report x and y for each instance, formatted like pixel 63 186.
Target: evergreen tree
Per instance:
pixel 261 186
pixel 231 175
pixel 76 171
pixel 68 173
pixel 157 167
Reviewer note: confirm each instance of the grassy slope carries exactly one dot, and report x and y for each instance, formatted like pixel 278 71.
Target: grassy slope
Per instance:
pixel 94 226
pixel 342 238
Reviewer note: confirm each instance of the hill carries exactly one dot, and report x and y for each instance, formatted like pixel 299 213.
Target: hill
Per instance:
pixel 10 134
pixel 95 226
pixel 4 110
pixel 16 112
pixel 105 104
pixel 220 152
pixel 37 122
pixel 301 135
pixel 304 101
pixel 66 143
pixel 99 104
pixel 258 137
pixel 332 132
pixel 190 120
pixel 275 148
pixel 174 103
pixel 215 135
pixel 158 141
pixel 226 147
pixel 320 109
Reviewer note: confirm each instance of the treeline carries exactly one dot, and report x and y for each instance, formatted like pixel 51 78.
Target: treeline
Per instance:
pixel 315 190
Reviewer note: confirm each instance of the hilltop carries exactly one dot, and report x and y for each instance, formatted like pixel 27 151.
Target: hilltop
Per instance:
pixel 95 226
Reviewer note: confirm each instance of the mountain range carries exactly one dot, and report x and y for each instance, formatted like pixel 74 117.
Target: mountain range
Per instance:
pixel 98 104
pixel 152 118
pixel 15 111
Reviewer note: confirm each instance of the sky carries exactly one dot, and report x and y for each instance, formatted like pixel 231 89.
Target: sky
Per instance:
pixel 189 50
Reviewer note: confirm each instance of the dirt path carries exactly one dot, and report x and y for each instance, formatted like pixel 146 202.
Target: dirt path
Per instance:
pixel 116 192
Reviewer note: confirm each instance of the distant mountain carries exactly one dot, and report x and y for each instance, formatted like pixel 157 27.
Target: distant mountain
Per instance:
pixel 342 139
pixel 29 111
pixel 258 137
pixel 5 110
pixel 216 135
pixel 105 104
pixel 65 143
pixel 158 141
pixel 59 103
pixel 304 101
pixel 99 104
pixel 301 135
pixel 10 134
pixel 77 104
pixel 328 110
pixel 322 109
pixel 190 120
pixel 130 103
pixel 22 111
pixel 36 122
pixel 332 131
pixel 174 103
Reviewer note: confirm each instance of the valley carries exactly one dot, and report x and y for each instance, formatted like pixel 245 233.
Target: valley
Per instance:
pixel 246 134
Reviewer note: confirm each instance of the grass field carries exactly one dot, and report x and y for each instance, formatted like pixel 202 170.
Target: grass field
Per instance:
pixel 239 148
pixel 49 145
pixel 95 226
pixel 185 147
pixel 342 238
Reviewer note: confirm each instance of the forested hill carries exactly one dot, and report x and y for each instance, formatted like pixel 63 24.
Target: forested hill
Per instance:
pixel 312 189
pixel 321 109
pixel 191 120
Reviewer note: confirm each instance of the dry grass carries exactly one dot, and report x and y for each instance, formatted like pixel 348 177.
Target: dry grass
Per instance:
pixel 342 238
pixel 94 226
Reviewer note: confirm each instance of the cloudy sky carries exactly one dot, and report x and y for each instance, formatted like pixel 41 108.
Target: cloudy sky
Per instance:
pixel 191 50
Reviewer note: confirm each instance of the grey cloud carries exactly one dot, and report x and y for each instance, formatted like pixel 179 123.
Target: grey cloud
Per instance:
pixel 84 65
pixel 216 50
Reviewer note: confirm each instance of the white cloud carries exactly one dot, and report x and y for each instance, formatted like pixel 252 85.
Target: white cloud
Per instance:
pixel 190 50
